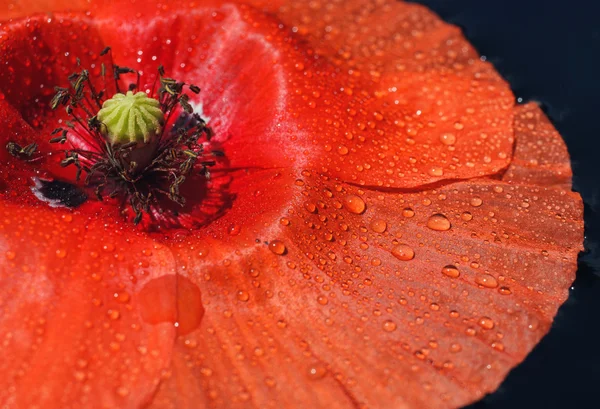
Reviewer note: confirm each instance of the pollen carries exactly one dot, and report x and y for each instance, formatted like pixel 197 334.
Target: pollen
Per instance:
pixel 131 117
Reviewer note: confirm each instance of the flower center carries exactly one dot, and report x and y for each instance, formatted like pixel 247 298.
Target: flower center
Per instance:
pixel 138 147
pixel 131 118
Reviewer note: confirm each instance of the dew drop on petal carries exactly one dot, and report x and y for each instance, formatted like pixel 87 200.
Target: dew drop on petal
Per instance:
pixel 486 323
pixel 342 150
pixel 408 212
pixel 486 280
pixel 109 247
pixel 322 300
pixel 316 372
pixel 355 204
pixel 277 247
pixel 171 298
pixel 403 252
pixel 439 222
pixel 122 297
pixel 435 171
pixel 389 326
pixel 234 230
pixel 113 314
pixel 243 296
pixel 476 202
pixel 450 271
pixel 378 225
pixel 455 347
pixel 448 139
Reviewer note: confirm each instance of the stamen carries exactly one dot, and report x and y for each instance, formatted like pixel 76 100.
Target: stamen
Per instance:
pixel 121 143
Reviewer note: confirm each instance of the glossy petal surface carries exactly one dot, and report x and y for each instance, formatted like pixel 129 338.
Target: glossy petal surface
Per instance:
pixel 388 230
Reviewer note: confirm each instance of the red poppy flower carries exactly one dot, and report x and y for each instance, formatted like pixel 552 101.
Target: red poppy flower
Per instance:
pixel 386 228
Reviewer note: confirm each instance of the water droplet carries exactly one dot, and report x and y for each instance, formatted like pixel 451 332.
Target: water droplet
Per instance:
pixel 61 253
pixel 277 247
pixel 122 297
pixel 172 298
pixel 403 252
pixel 486 280
pixel 504 291
pixel 378 225
pixel 109 247
pixel 450 271
pixel 317 371
pixel 322 300
pixel 342 150
pixel 455 347
pixel 234 230
pixel 476 202
pixel 466 216
pixel 243 296
pixel 10 255
pixel 389 326
pixel 448 139
pixel 435 171
pixel 310 207
pixel 354 204
pixel 486 323
pixel 270 381
pixel 439 222
pixel 408 212
pixel 113 314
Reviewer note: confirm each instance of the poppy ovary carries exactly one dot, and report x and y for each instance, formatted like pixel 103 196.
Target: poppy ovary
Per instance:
pixel 131 117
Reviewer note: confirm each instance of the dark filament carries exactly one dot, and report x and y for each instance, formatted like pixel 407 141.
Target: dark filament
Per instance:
pixel 109 169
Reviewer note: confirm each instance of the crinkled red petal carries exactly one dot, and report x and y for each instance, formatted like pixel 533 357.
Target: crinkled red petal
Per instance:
pixel 351 268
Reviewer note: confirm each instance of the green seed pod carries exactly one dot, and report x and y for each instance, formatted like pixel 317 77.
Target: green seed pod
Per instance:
pixel 131 118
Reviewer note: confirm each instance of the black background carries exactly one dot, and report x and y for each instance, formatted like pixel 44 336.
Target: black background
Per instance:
pixel 549 51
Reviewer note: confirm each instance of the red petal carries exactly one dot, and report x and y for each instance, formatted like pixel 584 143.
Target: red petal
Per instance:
pixel 342 318
pixel 445 113
pixel 399 102
pixel 541 157
pixel 352 303
pixel 71 327
pixel 39 54
pixel 17 9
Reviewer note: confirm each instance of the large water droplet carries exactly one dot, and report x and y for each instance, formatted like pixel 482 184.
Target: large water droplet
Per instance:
pixel 450 271
pixel 172 298
pixel 277 247
pixel 439 222
pixel 378 225
pixel 408 212
pixel 486 280
pixel 403 252
pixel 389 326
pixel 476 202
pixel 486 322
pixel 354 204
pixel 448 139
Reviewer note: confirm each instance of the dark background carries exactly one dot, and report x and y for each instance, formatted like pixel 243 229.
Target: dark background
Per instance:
pixel 549 51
